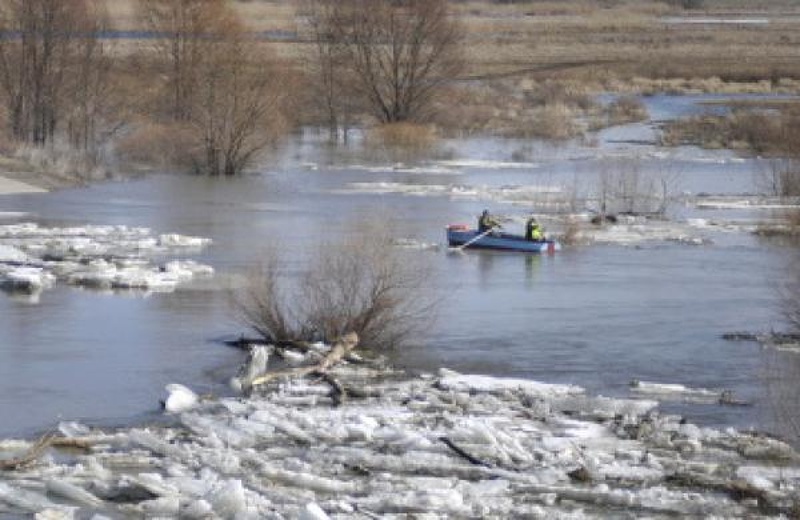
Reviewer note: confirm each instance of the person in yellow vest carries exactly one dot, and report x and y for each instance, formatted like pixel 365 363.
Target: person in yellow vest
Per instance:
pixel 533 231
pixel 486 222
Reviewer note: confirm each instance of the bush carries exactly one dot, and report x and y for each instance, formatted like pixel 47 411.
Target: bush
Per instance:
pixel 409 136
pixel 361 284
pixel 626 109
pixel 159 145
pixel 781 178
pixel 554 122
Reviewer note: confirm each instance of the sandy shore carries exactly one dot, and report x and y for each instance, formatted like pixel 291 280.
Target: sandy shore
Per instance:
pixel 11 186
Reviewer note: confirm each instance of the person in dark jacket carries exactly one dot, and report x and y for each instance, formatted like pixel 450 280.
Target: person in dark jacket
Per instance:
pixel 486 222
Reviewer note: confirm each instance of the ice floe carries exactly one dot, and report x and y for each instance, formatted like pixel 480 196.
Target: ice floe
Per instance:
pixel 444 445
pixel 679 392
pixel 489 164
pixel 540 195
pixel 180 398
pixel 33 257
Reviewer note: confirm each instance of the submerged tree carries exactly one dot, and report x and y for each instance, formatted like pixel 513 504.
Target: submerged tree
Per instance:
pixel 223 88
pixel 328 63
pixel 238 111
pixel 398 53
pixel 183 26
pixel 361 284
pixel 48 57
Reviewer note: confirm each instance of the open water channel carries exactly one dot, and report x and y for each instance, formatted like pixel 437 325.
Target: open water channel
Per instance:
pixel 597 315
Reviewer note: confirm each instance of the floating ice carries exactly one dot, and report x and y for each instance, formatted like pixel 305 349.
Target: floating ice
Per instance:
pixel 32 258
pixel 313 512
pixel 11 254
pixel 451 446
pixel 489 165
pixel 26 279
pixel 180 398
pixel 450 380
pixel 675 391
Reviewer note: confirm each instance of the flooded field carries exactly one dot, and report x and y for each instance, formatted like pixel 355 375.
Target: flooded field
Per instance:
pixel 643 300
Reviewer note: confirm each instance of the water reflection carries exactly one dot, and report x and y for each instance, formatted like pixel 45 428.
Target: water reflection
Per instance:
pixel 532 265
pixel 782 360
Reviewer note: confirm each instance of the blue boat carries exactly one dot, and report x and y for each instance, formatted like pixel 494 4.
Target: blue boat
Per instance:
pixel 461 236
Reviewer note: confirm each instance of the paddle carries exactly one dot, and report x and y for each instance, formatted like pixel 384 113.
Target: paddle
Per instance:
pixel 471 240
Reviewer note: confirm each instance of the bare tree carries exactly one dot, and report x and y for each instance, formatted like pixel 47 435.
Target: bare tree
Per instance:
pixel 623 187
pixel 362 284
pixel 400 52
pixel 780 177
pixel 224 90
pixel 88 120
pixel 328 63
pixel 44 40
pixel 238 110
pixel 182 27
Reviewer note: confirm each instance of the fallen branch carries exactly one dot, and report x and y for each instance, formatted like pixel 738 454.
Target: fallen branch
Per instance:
pixel 30 456
pixel 338 393
pixel 460 452
pixel 72 443
pixel 340 349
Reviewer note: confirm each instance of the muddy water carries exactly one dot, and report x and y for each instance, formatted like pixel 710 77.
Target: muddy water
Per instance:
pixel 599 316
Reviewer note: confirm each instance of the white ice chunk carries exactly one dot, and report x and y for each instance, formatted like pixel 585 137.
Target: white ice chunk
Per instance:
pixel 186 269
pixel 255 366
pixel 26 500
pixel 180 398
pixel 293 358
pixel 228 499
pixel 163 507
pixel 199 509
pixel 73 429
pixel 176 240
pixel 450 380
pixel 72 492
pixel 30 279
pixel 13 254
pixel 675 391
pixel 312 512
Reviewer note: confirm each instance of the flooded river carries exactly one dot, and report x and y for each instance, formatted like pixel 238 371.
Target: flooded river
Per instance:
pixel 598 315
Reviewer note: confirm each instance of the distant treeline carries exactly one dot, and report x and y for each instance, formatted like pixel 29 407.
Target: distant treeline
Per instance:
pixel 195 89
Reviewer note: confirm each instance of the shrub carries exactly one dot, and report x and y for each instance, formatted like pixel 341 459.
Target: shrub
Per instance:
pixel 360 284
pixel 160 145
pixel 409 136
pixel 626 109
pixel 554 122
pixel 781 178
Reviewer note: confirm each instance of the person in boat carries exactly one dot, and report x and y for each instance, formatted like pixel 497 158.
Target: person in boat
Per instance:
pixel 487 222
pixel 533 231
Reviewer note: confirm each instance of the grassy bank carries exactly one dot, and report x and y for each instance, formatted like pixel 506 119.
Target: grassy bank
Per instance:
pixel 643 44
pixel 532 69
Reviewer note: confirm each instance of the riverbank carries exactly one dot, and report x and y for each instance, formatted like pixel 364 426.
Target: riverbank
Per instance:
pixel 32 181
pixel 445 445
pixel 11 186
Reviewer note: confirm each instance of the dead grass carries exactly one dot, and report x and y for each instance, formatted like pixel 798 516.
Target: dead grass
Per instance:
pixel 626 109
pixel 165 146
pixel 592 41
pixel 766 132
pixel 407 136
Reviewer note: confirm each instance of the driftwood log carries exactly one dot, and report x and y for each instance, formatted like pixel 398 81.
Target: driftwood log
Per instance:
pixel 49 440
pixel 340 350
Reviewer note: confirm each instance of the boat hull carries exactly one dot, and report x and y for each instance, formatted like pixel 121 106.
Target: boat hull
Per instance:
pixel 458 235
